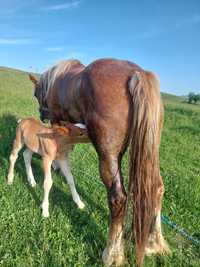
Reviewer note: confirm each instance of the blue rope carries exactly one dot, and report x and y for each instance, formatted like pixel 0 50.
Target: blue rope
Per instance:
pixel 180 231
pixel 174 226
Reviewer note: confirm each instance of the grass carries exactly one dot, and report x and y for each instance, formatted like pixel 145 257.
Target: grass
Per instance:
pixel 71 237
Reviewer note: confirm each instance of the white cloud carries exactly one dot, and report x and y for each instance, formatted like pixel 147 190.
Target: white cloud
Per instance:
pixel 16 41
pixel 55 49
pixel 63 6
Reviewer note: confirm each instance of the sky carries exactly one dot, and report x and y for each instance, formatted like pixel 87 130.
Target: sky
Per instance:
pixel 159 35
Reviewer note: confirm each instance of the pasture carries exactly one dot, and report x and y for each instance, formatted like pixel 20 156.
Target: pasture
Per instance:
pixel 74 238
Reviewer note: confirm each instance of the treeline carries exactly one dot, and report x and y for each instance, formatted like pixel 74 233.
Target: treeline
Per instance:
pixel 193 98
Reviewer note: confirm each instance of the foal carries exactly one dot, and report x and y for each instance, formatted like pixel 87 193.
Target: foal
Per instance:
pixel 53 144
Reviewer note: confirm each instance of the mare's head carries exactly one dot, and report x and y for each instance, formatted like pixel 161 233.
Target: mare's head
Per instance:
pixel 40 94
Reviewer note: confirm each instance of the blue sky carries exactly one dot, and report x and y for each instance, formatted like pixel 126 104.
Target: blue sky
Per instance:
pixel 162 36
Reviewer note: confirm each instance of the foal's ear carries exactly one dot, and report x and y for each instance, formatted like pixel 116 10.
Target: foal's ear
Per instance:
pixel 60 130
pixel 33 79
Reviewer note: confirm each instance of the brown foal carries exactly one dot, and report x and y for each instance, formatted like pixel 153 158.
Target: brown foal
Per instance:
pixel 53 144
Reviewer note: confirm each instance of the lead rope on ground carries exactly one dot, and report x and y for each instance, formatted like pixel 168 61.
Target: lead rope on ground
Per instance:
pixel 170 223
pixel 179 230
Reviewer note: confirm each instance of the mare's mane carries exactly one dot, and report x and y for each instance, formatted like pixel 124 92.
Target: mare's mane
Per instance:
pixel 48 78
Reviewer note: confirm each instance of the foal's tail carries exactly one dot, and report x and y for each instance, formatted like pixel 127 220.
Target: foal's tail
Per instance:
pixel 144 155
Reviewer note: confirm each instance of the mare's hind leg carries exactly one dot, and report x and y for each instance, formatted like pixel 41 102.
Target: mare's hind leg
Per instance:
pixel 109 138
pixel 156 243
pixel 17 145
pixel 111 175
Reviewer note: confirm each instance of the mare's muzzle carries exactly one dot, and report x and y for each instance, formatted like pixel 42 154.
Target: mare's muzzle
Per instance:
pixel 44 114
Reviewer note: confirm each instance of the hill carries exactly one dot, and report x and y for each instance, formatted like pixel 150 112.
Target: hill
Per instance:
pixel 71 237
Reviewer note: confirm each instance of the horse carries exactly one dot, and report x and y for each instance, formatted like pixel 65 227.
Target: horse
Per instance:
pixel 120 104
pixel 53 144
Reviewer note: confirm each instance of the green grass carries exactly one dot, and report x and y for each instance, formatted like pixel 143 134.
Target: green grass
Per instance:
pixel 71 237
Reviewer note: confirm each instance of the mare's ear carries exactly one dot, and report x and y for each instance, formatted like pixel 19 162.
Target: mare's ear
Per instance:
pixel 60 130
pixel 33 79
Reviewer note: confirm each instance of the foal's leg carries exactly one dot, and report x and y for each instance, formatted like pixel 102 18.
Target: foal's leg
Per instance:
pixel 65 168
pixel 27 154
pixel 156 242
pixel 47 185
pixel 55 165
pixel 17 145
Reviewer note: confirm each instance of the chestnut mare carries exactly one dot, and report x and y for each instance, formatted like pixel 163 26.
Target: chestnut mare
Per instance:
pixel 120 104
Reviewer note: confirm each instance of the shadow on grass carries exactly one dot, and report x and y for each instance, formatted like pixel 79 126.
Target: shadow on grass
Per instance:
pixel 82 221
pixel 8 124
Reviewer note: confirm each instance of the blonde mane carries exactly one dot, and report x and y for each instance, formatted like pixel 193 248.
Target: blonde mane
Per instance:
pixel 48 78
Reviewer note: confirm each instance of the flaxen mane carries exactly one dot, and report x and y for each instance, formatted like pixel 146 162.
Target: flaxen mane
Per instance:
pixel 49 77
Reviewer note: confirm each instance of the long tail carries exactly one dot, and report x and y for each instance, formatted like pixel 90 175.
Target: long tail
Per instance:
pixel 144 155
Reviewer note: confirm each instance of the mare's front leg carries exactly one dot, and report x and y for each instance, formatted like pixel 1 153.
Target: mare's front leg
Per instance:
pixel 65 168
pixel 47 185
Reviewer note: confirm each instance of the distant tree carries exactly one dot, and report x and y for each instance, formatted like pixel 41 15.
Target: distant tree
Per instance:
pixel 192 97
pixel 196 98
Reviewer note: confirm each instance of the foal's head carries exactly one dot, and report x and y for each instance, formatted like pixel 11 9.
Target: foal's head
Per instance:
pixel 71 133
pixel 40 94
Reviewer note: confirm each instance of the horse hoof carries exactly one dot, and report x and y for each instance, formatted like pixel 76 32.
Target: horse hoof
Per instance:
pixel 81 205
pixel 117 258
pixel 45 214
pixel 9 182
pixel 157 248
pixel 32 183
pixel 10 179
pixel 107 258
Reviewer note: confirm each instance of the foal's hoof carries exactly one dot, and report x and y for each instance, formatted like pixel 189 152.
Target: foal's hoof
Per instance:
pixel 32 183
pixel 45 214
pixel 9 182
pixel 81 205
pixel 10 179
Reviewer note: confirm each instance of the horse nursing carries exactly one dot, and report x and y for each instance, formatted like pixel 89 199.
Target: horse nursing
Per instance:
pixel 53 144
pixel 120 105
